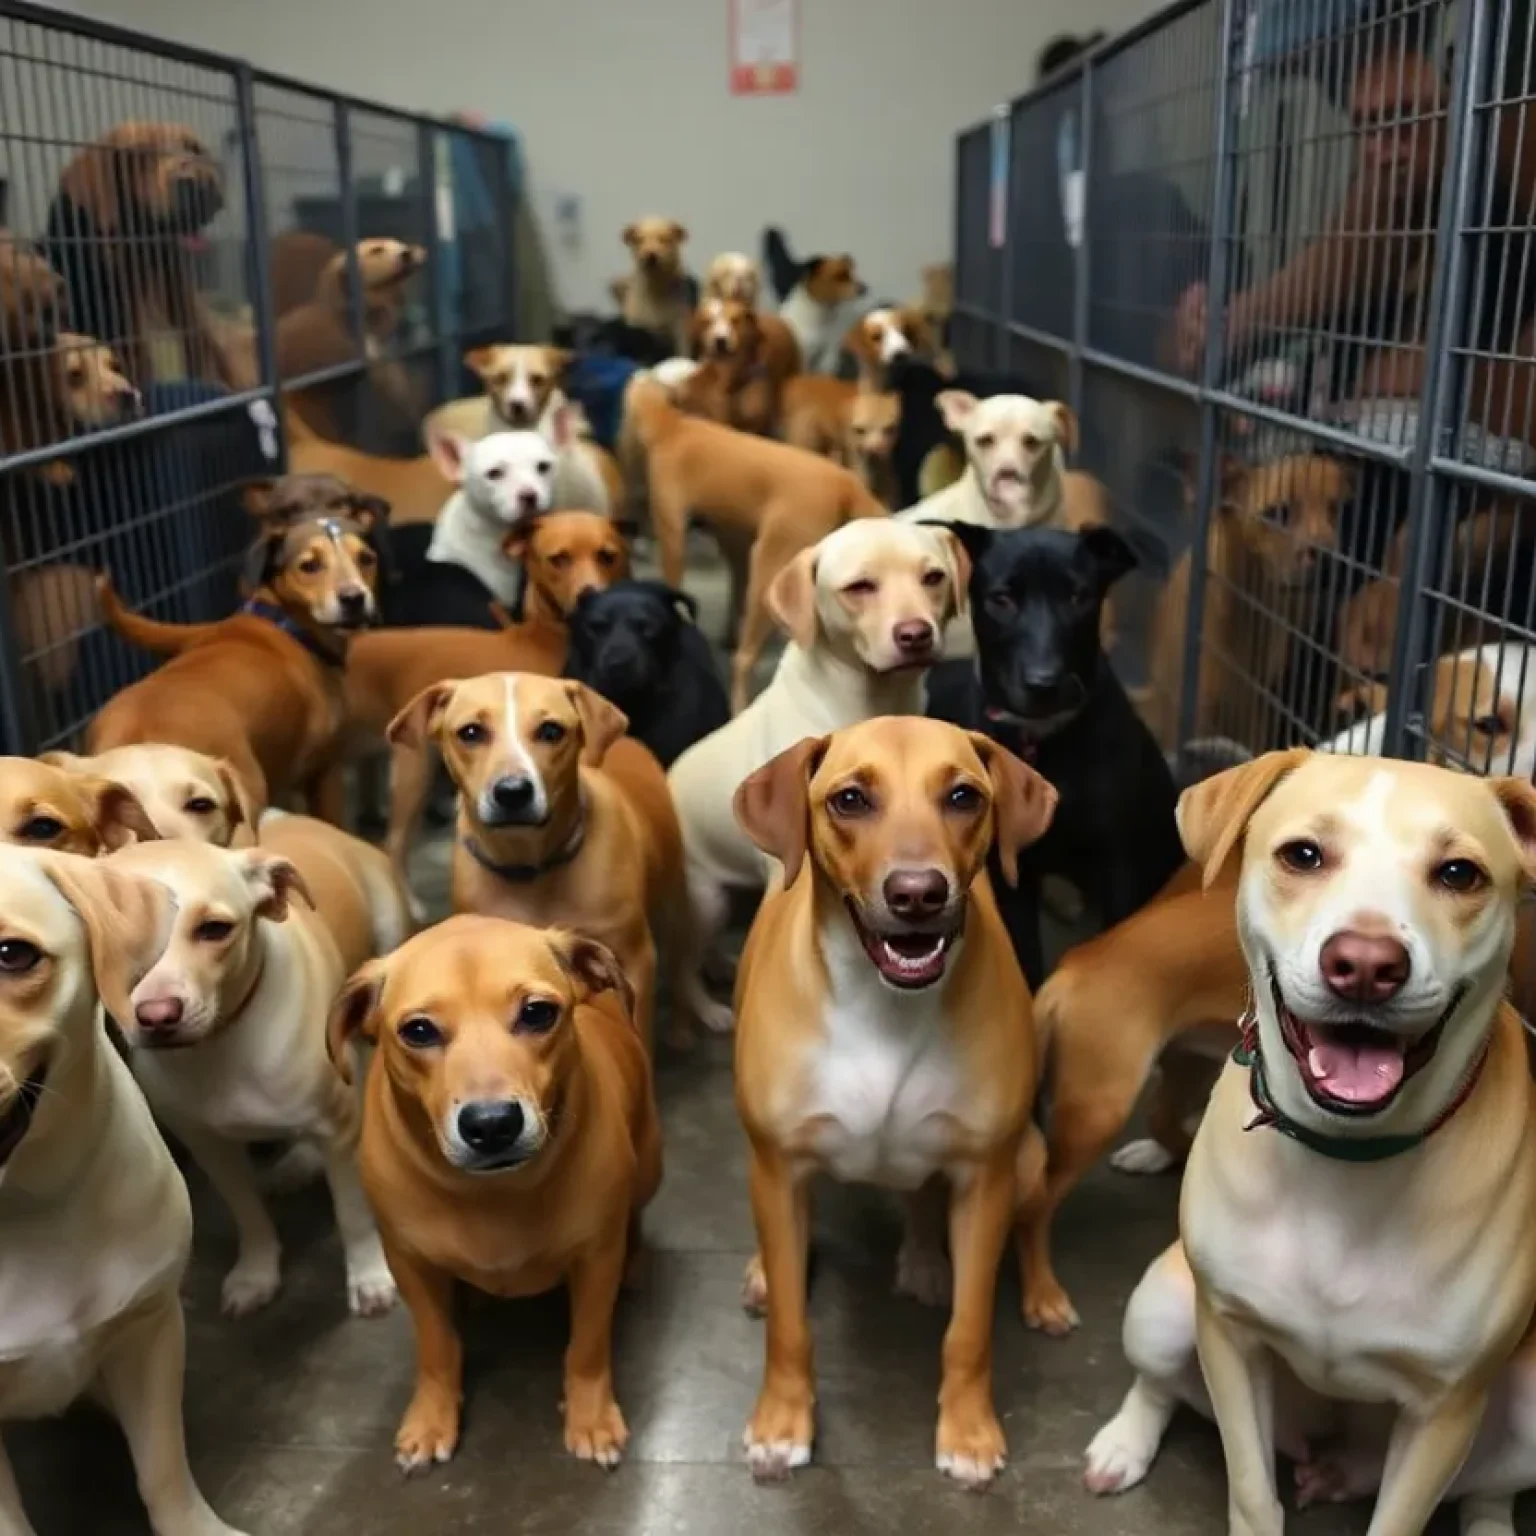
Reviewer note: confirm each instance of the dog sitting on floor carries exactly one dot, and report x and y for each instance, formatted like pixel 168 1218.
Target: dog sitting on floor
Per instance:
pixel 817 300
pixel 657 295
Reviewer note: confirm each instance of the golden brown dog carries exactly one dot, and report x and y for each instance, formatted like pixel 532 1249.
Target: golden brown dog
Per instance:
pixel 879 1010
pixel 764 501
pixel 746 358
pixel 127 208
pixel 510 1141
pixel 414 489
pixel 47 805
pixel 31 295
pixel 562 818
pixel 874 421
pixel 654 294
pixel 263 688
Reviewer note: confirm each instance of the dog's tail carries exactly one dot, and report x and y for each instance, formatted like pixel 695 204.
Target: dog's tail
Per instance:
pixel 146 634
pixel 783 269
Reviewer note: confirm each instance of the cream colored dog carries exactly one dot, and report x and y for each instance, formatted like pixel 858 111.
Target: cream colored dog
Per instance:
pixel 864 610
pixel 228 1033
pixel 1356 1259
pixel 95 1223
pixel 731 275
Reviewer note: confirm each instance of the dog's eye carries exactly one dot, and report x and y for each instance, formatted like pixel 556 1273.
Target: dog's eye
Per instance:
pixel 213 931
pixel 550 732
pixel 40 829
pixel 201 805
pixel 851 801
pixel 496 472
pixel 1031 443
pixel 75 378
pixel 1001 603
pixel 1301 856
pixel 1460 875
pixel 863 587
pixel 366 559
pixel 1278 513
pixel 987 440
pixel 544 466
pixel 560 560
pixel 18 956
pixel 607 557
pixel 537 1015
pixel 934 578
pixel 312 565
pixel 963 797
pixel 472 734
pixel 420 1033
pixel 1490 725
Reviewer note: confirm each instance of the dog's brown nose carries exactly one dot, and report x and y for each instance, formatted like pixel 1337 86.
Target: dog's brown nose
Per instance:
pixel 916 893
pixel 1364 967
pixel 913 637
pixel 159 1013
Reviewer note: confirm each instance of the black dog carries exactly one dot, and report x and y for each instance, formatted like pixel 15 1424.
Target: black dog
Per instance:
pixel 638 644
pixel 432 592
pixel 1043 688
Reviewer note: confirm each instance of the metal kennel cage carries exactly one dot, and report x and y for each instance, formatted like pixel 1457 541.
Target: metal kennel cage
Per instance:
pixel 160 209
pixel 1278 255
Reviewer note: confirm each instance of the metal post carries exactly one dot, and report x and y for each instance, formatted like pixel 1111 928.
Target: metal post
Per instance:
pixel 1447 320
pixel 443 328
pixel 258 267
pixel 1208 487
pixel 343 121
pixel 1085 231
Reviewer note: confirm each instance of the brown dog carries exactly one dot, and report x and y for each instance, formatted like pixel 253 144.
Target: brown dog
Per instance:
pixel 510 1141
pixel 562 818
pixel 654 295
pixel 263 688
pixel 762 499
pixel 125 208
pixel 415 489
pixel 746 357
pixel 31 295
pixel 866 1049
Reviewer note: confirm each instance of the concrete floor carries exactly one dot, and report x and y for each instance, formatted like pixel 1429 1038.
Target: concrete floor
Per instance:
pixel 291 1414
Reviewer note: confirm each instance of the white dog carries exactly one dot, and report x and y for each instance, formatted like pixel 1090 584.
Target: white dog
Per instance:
pixel 95 1223
pixel 228 1033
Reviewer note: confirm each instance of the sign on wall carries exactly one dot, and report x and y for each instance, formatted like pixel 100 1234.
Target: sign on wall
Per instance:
pixel 765 47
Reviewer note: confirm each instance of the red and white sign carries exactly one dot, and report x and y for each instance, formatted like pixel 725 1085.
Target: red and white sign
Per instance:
pixel 765 47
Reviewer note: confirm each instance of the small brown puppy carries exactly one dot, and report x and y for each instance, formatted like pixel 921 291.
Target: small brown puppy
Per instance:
pixel 262 688
pixel 562 818
pixel 44 805
pixel 510 1141
pixel 654 296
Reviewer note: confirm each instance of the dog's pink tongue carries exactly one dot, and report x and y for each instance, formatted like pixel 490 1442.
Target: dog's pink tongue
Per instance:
pixel 1354 1073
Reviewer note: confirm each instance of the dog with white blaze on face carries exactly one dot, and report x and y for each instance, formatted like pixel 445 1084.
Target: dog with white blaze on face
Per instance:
pixel 1355 1277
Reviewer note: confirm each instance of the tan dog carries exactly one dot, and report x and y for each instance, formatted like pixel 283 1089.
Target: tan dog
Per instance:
pixel 95 1223
pixel 1356 1254
pixel 564 554
pixel 757 496
pixel 228 1036
pixel 44 804
pixel 510 1141
pixel 746 358
pixel 263 688
pixel 732 276
pixel 863 610
pixel 562 818
pixel 880 1039
pixel 654 295
pixel 874 422
pixel 187 795
pixel 415 490
pixel 1275 521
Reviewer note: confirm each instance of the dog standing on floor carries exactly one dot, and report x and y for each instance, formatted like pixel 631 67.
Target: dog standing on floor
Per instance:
pixel 883 1037
pixel 1356 1256
pixel 95 1222
pixel 510 1141
pixel 657 295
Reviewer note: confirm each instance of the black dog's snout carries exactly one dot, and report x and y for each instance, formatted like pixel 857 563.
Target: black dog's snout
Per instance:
pixel 489 1126
pixel 514 793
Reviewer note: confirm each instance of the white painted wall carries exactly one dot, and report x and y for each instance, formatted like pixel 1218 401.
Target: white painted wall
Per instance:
pixel 625 105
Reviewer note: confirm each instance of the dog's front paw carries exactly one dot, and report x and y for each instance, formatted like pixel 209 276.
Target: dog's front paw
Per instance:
pixel 1144 1156
pixel 1048 1308
pixel 428 1434
pixel 1119 1456
pixel 598 1436
pixel 923 1273
pixel 970 1445
pixel 778 1437
pixel 370 1290
pixel 250 1285
pixel 754 1288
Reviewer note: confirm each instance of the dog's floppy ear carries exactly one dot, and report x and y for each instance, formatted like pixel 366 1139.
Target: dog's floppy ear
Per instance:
pixel 791 599
pixel 418 722
pixel 560 360
pixel 1111 552
pixel 370 513
pixel 679 231
pixel 1066 424
pixel 973 538
pixel 564 426
pixel 1023 803
pixel 1213 814
pixel 602 723
pixel 273 880
pixel 354 1013
pixel 480 360
pixel 448 452
pixel 260 564
pixel 627 528
pixel 630 234
pixel 593 967
pixel 259 497
pixel 1517 798
pixel 773 805
pixel 958 558
pixel 120 819
pixel 242 807
pixel 956 407
pixel 127 922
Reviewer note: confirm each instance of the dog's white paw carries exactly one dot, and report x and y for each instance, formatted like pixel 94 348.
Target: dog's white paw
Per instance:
pixel 773 1461
pixel 1120 1454
pixel 418 908
pixel 1144 1156
pixel 970 1472
pixel 716 1017
pixel 249 1286
pixel 371 1292
pixel 924 1274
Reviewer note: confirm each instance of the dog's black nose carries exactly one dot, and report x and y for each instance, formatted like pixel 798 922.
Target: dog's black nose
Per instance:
pixel 162 1013
pixel 1364 967
pixel 489 1126
pixel 354 603
pixel 528 501
pixel 913 637
pixel 649 259
pixel 514 793
pixel 916 893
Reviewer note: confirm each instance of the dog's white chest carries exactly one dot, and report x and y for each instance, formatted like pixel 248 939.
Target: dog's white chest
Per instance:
pixel 885 1092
